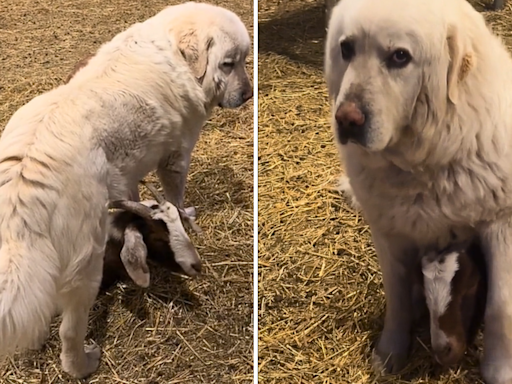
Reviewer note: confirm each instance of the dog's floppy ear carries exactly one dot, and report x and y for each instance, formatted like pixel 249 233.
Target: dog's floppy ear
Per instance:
pixel 133 255
pixel 194 45
pixel 462 61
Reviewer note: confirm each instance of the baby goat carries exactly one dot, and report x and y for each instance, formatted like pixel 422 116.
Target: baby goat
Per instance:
pixel 150 228
pixel 455 288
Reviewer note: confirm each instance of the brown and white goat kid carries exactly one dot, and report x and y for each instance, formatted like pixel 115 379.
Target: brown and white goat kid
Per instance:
pixel 135 237
pixel 154 228
pixel 455 289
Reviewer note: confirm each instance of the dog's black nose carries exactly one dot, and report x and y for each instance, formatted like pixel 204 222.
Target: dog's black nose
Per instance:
pixel 350 121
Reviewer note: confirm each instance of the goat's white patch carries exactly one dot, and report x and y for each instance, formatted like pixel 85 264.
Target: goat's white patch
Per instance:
pixel 184 252
pixel 438 274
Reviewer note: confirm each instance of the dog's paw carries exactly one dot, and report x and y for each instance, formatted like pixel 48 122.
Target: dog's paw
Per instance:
pixel 191 212
pixel 188 217
pixel 345 188
pixel 38 344
pixel 497 372
pixel 82 366
pixel 388 363
pixel 391 352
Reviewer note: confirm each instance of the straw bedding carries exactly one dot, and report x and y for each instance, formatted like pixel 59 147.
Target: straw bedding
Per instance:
pixel 179 330
pixel 321 300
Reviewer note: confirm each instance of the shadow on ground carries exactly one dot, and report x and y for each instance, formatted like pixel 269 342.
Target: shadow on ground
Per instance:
pixel 298 34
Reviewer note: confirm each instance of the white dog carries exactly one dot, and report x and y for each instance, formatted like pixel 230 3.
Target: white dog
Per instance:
pixel 422 103
pixel 138 105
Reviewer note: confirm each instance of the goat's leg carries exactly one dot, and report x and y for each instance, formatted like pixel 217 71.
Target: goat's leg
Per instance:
pixel 78 360
pixel 396 264
pixel 497 355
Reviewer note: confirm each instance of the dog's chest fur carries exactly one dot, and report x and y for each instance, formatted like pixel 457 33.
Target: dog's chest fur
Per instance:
pixel 429 207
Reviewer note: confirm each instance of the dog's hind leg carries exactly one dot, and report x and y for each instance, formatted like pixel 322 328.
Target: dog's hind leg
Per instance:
pixel 79 360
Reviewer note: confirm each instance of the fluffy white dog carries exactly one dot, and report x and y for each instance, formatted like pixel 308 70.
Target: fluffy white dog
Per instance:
pixel 138 105
pixel 422 102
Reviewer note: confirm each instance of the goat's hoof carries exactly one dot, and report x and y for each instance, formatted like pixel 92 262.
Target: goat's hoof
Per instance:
pixel 388 363
pixel 82 366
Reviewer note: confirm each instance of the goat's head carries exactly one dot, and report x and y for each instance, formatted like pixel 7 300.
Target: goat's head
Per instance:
pixel 455 290
pixel 153 229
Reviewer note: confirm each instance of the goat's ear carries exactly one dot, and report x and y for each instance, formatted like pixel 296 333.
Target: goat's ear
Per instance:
pixel 462 61
pixel 194 45
pixel 134 256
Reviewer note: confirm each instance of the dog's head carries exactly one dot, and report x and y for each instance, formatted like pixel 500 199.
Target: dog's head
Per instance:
pixel 395 66
pixel 215 44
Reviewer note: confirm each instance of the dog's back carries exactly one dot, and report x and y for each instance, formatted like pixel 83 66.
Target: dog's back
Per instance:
pixel 46 174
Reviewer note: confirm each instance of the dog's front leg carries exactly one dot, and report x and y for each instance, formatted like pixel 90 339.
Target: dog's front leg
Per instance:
pixel 497 357
pixel 172 172
pixel 396 263
pixel 133 193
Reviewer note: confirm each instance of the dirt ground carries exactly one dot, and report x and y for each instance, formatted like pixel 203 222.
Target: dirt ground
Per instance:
pixel 179 330
pixel 320 291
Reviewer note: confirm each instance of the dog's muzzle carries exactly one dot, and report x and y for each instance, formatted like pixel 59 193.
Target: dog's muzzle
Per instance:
pixel 351 123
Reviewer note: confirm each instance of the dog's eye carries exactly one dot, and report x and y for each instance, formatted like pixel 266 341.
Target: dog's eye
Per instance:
pixel 347 50
pixel 228 64
pixel 399 58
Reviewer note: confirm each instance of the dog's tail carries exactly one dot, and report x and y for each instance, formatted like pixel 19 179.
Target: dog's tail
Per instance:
pixel 28 278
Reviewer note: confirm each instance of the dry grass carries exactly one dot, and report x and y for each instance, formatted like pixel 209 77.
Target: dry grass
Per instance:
pixel 320 291
pixel 179 330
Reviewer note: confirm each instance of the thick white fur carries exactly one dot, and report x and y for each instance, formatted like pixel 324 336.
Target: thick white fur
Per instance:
pixel 138 105
pixel 439 154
